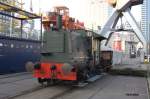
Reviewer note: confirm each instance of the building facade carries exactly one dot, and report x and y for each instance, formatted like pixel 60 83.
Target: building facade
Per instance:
pixel 145 22
pixel 12 27
pixel 7 23
pixel 105 10
pixel 98 11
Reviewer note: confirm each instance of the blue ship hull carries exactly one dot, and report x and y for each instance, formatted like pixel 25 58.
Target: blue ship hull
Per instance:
pixel 16 52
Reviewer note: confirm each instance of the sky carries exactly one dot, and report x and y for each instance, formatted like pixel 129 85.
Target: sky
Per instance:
pixel 80 9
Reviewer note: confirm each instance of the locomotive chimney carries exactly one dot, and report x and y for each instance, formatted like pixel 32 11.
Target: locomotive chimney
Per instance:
pixel 59 22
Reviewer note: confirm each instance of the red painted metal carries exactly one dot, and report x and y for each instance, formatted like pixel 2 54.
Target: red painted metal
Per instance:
pixel 67 21
pixel 46 72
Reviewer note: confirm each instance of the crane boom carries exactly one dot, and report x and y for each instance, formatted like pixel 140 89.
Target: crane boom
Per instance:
pixel 123 8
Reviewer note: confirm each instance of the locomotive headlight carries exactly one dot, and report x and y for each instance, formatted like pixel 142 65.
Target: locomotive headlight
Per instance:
pixel 53 67
pixel 66 68
pixel 29 66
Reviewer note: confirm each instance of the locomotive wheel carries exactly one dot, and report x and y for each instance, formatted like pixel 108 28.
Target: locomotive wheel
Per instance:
pixel 51 82
pixel 41 81
pixel 46 82
pixel 83 75
pixel 108 69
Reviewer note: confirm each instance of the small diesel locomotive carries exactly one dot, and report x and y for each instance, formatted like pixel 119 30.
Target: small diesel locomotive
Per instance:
pixel 69 52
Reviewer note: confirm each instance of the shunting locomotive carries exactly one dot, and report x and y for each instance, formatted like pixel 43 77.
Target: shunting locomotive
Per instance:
pixel 69 51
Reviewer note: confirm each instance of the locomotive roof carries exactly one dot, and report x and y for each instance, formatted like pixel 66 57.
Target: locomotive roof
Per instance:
pixel 96 35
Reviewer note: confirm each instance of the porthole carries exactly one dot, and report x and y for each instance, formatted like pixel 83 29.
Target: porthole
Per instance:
pixel 31 46
pixel 27 46
pixel 22 46
pixel 12 45
pixel 1 44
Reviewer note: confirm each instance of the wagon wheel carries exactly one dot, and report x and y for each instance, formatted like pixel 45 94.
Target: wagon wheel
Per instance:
pixel 41 81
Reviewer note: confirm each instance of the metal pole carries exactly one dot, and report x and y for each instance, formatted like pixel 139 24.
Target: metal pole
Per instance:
pixel 11 26
pixel 21 27
pixel 41 34
pixel 149 39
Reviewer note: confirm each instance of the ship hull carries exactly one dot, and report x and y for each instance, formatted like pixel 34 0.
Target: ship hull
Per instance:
pixel 16 52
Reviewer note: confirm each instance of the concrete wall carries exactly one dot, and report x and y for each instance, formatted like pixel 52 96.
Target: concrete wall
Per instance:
pixel 124 58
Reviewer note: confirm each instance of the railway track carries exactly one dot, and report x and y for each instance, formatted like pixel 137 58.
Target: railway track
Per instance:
pixel 14 78
pixel 72 89
pixel 13 75
pixel 56 91
pixel 13 85
pixel 93 90
pixel 26 92
pixel 82 91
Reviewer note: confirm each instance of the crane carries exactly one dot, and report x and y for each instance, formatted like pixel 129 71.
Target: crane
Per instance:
pixel 123 8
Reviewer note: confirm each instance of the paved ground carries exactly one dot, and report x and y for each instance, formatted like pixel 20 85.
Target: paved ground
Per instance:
pixel 11 85
pixel 108 87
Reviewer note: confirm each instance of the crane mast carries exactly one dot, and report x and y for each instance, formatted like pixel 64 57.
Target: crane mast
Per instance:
pixel 123 8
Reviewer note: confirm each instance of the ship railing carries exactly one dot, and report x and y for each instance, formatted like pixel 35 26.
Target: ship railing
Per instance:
pixel 25 35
